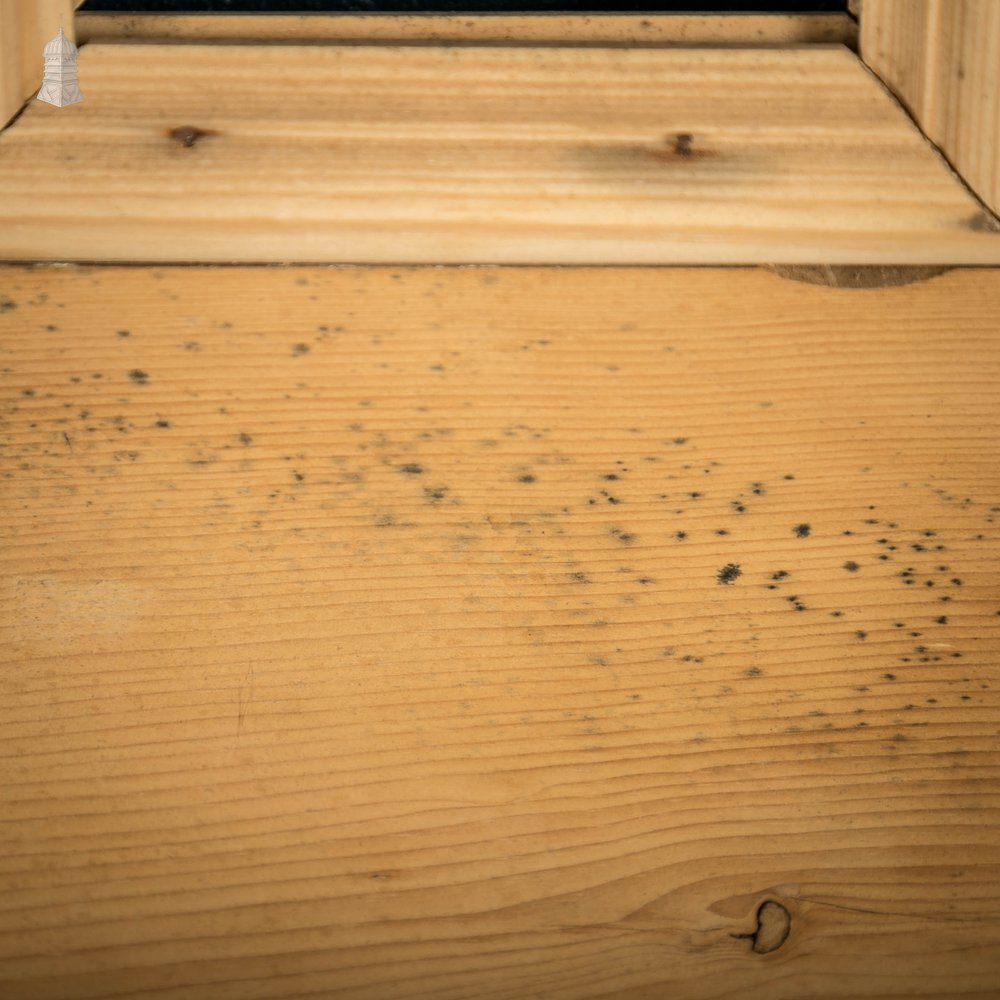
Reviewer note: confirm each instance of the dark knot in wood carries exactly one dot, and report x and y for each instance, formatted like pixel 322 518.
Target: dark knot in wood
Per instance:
pixel 774 923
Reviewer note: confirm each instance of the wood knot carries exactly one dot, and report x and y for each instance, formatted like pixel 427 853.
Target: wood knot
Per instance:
pixel 774 923
pixel 681 147
pixel 682 144
pixel 188 135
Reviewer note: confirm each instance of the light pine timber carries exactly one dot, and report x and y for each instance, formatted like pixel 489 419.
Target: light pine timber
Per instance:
pixel 351 648
pixel 942 57
pixel 553 29
pixel 478 154
pixel 25 27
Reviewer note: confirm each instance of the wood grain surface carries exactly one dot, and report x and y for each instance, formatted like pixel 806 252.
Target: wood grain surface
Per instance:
pixel 466 154
pixel 498 632
pixel 25 27
pixel 942 57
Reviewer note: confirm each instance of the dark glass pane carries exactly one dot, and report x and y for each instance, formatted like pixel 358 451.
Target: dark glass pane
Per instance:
pixel 483 6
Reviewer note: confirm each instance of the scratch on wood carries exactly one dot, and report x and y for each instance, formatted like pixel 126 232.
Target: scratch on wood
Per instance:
pixel 244 696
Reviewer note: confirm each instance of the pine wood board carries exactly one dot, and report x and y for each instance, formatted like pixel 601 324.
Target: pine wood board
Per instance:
pixel 553 29
pixel 942 59
pixel 25 27
pixel 478 154
pixel 383 633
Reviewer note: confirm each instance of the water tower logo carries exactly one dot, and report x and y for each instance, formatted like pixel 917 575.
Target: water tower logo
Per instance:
pixel 60 86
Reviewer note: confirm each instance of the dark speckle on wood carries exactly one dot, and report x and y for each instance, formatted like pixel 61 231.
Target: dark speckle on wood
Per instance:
pixel 188 135
pixel 682 144
pixel 983 222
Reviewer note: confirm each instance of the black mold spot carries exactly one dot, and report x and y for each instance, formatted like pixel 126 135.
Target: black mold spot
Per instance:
pixel 120 333
pixel 162 423
pixel 802 530
pixel 245 438
pixel 753 672
pixel 412 469
pixel 298 349
pixel 138 375
pixel 526 479
pixel 729 573
pixel 435 494
pixel 851 566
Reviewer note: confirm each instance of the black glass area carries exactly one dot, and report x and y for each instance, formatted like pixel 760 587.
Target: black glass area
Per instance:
pixel 485 7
